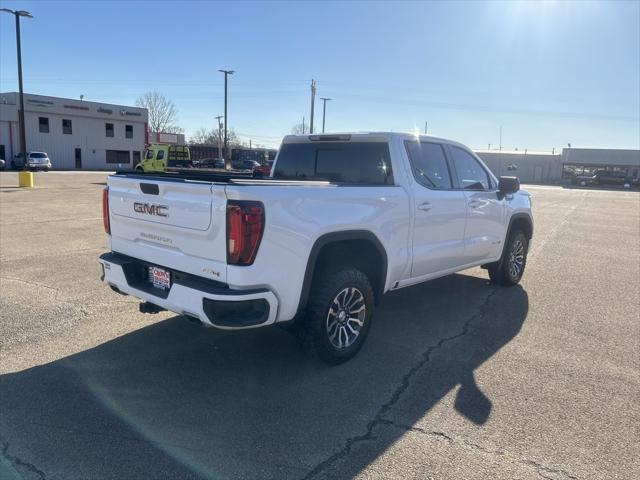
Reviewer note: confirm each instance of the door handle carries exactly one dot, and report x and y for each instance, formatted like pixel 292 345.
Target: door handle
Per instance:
pixel 425 207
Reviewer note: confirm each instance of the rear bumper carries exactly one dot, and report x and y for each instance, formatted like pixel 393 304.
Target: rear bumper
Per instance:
pixel 213 303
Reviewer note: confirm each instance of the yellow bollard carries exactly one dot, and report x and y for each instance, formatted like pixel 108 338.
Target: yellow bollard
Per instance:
pixel 25 179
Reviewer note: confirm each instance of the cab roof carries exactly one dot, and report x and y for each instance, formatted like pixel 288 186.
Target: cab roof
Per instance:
pixel 366 137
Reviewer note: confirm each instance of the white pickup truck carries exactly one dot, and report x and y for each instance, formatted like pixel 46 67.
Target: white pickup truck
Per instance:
pixel 343 219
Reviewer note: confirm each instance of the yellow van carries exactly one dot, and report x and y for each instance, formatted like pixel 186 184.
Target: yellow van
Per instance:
pixel 158 157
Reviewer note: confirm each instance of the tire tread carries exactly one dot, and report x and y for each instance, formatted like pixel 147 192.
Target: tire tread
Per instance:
pixel 324 289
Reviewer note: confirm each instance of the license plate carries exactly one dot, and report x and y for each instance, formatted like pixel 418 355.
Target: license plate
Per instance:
pixel 160 278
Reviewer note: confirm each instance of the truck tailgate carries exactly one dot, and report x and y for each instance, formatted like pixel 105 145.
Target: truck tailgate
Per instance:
pixel 179 225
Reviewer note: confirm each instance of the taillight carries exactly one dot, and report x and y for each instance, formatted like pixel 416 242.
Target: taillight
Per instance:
pixel 245 223
pixel 105 210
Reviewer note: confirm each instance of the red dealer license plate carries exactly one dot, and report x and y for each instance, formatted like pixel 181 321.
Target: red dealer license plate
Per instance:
pixel 160 278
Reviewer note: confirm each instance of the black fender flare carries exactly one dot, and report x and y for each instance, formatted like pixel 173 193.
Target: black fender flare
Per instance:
pixel 514 217
pixel 335 237
pixel 518 216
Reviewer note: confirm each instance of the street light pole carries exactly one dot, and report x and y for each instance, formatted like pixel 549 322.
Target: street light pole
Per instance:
pixel 219 137
pixel 23 141
pixel 226 118
pixel 313 98
pixel 324 109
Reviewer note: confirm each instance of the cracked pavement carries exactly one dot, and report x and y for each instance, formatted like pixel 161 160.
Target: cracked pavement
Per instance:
pixel 458 380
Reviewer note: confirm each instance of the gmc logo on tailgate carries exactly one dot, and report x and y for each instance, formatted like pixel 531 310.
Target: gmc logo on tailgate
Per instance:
pixel 151 209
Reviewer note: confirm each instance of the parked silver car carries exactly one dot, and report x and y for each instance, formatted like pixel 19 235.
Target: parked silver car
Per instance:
pixel 35 161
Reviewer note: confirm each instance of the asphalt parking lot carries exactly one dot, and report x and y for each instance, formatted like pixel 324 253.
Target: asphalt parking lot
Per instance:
pixel 458 379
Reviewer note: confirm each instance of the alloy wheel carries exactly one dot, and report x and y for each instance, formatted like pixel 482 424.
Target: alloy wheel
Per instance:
pixel 346 317
pixel 516 259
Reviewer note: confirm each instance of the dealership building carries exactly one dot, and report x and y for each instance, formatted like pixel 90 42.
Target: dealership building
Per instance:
pixel 76 134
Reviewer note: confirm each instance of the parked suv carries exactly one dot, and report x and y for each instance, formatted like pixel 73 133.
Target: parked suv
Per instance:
pixel 35 161
pixel 343 219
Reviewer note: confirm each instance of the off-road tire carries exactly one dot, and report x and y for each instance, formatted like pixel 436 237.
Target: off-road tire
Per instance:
pixel 504 272
pixel 327 286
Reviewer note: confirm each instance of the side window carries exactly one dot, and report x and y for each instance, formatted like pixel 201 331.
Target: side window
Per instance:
pixel 43 124
pixel 429 164
pixel 471 175
pixel 160 155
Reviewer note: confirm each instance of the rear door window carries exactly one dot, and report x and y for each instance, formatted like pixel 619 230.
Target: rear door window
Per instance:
pixel 364 163
pixel 429 164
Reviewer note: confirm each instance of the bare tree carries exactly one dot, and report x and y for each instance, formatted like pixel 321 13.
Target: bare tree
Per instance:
pixel 211 137
pixel 201 136
pixel 163 114
pixel 298 128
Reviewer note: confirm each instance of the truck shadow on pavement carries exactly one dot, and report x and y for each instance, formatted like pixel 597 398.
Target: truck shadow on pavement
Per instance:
pixel 174 400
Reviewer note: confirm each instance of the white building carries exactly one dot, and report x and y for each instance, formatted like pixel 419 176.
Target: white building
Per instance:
pixel 76 134
pixel 541 167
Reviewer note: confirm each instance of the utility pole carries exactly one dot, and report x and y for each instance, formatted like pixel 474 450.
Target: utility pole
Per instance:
pixel 313 97
pixel 500 137
pixel 425 128
pixel 23 141
pixel 226 118
pixel 303 131
pixel 324 109
pixel 219 136
pixel 249 144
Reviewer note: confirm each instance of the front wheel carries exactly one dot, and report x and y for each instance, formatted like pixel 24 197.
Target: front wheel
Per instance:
pixel 339 314
pixel 509 270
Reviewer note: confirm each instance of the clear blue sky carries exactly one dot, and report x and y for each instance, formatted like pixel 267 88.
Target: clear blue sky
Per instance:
pixel 550 73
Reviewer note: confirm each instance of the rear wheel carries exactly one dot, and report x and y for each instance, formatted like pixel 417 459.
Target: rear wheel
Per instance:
pixel 339 314
pixel 509 270
pixel 139 169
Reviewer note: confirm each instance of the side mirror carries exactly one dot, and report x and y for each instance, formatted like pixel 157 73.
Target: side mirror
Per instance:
pixel 507 186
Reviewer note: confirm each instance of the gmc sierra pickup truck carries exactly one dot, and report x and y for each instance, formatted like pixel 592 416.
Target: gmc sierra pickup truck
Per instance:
pixel 341 220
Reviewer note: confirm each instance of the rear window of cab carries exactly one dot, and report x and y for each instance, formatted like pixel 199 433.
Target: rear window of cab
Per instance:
pixel 354 163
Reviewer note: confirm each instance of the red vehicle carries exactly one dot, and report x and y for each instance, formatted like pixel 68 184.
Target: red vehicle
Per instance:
pixel 263 170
